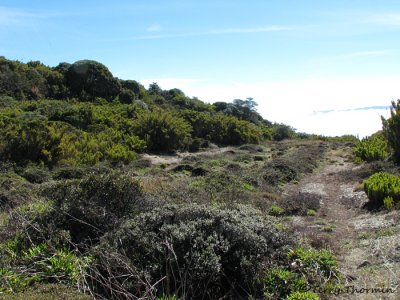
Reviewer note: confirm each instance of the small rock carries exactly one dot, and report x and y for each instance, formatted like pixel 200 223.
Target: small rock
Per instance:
pixel 364 264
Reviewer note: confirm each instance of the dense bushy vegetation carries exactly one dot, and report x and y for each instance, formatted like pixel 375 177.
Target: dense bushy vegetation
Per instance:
pixel 77 208
pixel 198 252
pixel 391 129
pixel 383 189
pixel 372 148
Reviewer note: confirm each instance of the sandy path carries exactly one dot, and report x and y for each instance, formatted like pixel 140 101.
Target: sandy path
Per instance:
pixel 367 244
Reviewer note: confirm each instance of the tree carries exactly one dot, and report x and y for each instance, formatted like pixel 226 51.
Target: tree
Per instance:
pixel 90 79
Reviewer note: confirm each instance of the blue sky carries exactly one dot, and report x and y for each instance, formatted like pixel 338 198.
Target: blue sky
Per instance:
pixel 297 59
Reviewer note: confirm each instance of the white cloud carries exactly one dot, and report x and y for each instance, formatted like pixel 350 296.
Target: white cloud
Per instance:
pixel 388 19
pixel 154 28
pixel 367 53
pixel 244 30
pixel 295 102
pixel 12 17
pixel 250 30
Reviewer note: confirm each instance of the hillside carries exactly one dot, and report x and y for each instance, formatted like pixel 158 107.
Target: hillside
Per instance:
pixel 109 190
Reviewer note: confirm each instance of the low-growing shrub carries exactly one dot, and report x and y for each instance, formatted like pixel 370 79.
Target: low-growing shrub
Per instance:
pixel 276 211
pixel 35 175
pixel 95 204
pixel 281 282
pixel 42 264
pixel 303 296
pixel 301 203
pixel 197 252
pixel 383 185
pixel 309 269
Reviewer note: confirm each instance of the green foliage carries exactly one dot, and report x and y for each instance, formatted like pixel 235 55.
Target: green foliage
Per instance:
pixel 316 262
pixel 383 185
pixel 201 252
pixel 162 131
pixel 391 129
pixel 30 81
pixel 282 132
pixel 67 133
pixel 281 282
pixel 372 148
pixel 303 296
pixel 388 202
pixel 309 269
pixel 42 264
pixel 276 211
pixel 222 129
pixel 26 139
pixel 311 213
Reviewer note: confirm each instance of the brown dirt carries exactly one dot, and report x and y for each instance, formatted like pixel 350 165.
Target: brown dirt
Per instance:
pixel 366 244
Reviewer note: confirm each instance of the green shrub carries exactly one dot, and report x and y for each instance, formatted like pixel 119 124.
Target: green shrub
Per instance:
pixel 372 148
pixel 282 132
pixel 29 138
pixel 305 269
pixel 42 264
pixel 315 263
pixel 311 213
pixel 303 296
pixel 35 175
pixel 200 252
pixel 281 282
pixel 162 131
pixel 391 129
pixel 276 211
pixel 383 185
pixel 388 202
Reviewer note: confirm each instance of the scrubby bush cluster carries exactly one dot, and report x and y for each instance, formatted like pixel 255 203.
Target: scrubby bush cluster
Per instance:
pixel 301 203
pixel 372 148
pixel 288 167
pixel 383 189
pixel 76 209
pixel 101 232
pixel 309 268
pixel 197 252
pixel 391 129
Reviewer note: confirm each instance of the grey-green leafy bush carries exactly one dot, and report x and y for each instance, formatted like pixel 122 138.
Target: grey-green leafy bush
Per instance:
pixel 95 204
pixel 372 148
pixel 195 251
pixel 381 186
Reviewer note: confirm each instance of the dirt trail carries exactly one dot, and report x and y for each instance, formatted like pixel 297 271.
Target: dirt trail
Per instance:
pixel 367 244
